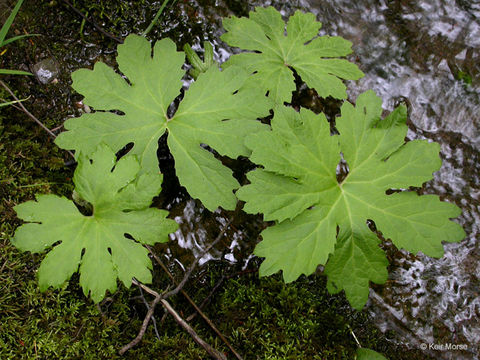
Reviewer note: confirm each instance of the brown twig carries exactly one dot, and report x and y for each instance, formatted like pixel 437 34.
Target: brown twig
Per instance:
pixel 195 262
pixel 149 315
pixel 211 351
pixel 217 285
pixel 31 116
pixel 154 321
pixel 95 25
pixel 190 300
pixel 197 308
pixel 57 128
pixel 160 298
pixel 178 288
pixel 28 112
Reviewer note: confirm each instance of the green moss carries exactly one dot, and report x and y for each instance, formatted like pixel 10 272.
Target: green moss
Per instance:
pixel 285 321
pixel 61 324
pixel 464 77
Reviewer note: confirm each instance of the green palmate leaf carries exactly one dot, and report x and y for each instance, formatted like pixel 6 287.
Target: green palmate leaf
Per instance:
pixel 367 354
pixel 273 54
pixel 320 219
pixel 213 112
pixel 101 243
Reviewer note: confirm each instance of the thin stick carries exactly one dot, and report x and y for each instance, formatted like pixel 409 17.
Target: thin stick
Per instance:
pixel 353 334
pixel 216 287
pixel 149 315
pixel 212 325
pixel 211 351
pixel 195 262
pixel 159 298
pixel 28 112
pixel 190 300
pixel 179 288
pixel 31 116
pixel 146 288
pixel 199 311
pixel 148 308
pixel 113 37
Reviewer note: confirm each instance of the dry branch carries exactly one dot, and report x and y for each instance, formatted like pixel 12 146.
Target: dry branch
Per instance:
pixel 179 288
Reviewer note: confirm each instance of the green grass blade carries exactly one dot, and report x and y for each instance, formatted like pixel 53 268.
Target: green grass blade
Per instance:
pixel 8 23
pixel 12 102
pixel 14 72
pixel 165 2
pixel 15 38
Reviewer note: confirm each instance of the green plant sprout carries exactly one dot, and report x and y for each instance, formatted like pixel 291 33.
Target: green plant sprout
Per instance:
pixel 3 42
pixel 157 16
pixel 199 66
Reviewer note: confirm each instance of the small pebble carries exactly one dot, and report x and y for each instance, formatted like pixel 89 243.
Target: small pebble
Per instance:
pixel 46 70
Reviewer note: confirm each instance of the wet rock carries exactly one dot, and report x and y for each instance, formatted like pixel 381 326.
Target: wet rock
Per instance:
pixel 46 70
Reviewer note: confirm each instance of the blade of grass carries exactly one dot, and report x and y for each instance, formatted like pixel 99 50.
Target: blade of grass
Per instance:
pixel 12 102
pixel 14 72
pixel 8 23
pixel 194 59
pixel 8 103
pixel 82 25
pixel 15 38
pixel 98 27
pixel 159 12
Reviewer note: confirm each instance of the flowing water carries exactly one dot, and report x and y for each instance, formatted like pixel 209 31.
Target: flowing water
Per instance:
pixel 427 55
